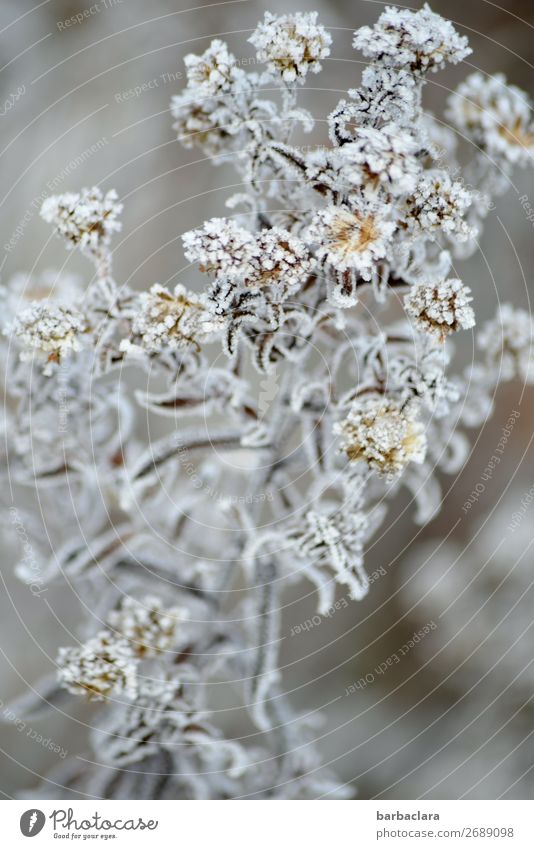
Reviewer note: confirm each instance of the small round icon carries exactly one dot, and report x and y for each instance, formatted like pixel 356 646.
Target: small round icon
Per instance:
pixel 32 822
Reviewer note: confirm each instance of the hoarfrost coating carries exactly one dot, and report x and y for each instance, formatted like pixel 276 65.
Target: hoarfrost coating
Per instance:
pixel 359 404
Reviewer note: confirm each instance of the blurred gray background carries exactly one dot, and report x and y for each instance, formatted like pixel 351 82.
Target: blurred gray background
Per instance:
pixel 428 726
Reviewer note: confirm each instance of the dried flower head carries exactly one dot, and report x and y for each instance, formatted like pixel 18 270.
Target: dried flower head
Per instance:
pixel 439 204
pixel 86 219
pixel 147 625
pixel 291 45
pixel 102 667
pixel 50 330
pixel 352 238
pixel 507 341
pixel 214 71
pixel 440 308
pixel 419 41
pixel 383 434
pixel 495 116
pixel 167 320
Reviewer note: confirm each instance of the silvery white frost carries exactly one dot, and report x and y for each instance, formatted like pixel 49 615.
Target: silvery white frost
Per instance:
pixel 333 272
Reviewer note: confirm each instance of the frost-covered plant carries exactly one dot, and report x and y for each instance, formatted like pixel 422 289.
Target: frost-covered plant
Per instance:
pixel 333 274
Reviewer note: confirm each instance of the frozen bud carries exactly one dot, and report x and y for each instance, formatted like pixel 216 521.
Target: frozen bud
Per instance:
pixel 385 156
pixel 439 204
pixel 147 625
pixel 100 668
pixel 291 45
pixel 221 247
pixel 214 71
pixel 495 116
pixel 169 320
pixel 440 308
pixel 86 219
pixel 419 41
pixel 507 341
pixel 49 330
pixel 352 238
pixel 383 434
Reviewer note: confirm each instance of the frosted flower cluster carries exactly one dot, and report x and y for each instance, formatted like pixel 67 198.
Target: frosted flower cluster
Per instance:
pixel 291 45
pixel 48 330
pixel 418 41
pixel 439 203
pixel 381 433
pixel 507 342
pixel 231 252
pixel 173 320
pixel 214 71
pixel 146 625
pixel 384 156
pixel 87 219
pixel 352 238
pixel 496 116
pixel 101 668
pixel 440 309
pixel 281 396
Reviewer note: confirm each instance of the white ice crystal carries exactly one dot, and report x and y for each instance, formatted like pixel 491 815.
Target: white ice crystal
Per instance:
pixel 496 116
pixel 381 433
pixel 101 668
pixel 440 308
pixel 291 45
pixel 418 41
